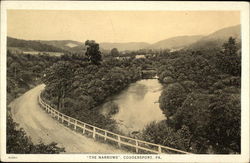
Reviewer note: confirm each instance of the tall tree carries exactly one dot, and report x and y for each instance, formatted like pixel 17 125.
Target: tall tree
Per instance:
pixel 230 47
pixel 93 53
pixel 58 78
pixel 228 60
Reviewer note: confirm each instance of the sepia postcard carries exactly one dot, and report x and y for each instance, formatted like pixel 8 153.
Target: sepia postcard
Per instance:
pixel 123 81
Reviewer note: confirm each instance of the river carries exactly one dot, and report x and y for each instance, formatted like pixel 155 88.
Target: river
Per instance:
pixel 137 105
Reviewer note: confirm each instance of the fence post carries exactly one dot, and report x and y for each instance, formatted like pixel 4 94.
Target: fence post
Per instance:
pixel 105 135
pixel 94 132
pixel 75 125
pixel 62 118
pixel 83 130
pixel 136 148
pixel 119 141
pixel 58 116
pixel 159 149
pixel 68 121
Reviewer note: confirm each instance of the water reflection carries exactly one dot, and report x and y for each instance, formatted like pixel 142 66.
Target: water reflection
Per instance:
pixel 138 105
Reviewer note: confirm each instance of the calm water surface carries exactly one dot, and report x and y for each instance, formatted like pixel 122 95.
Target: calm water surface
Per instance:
pixel 138 105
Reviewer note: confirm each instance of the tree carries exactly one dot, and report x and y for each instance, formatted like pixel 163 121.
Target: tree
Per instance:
pixel 15 68
pixel 230 47
pixel 59 79
pixel 114 52
pixel 194 114
pixel 228 61
pixel 161 133
pixel 224 127
pixel 93 53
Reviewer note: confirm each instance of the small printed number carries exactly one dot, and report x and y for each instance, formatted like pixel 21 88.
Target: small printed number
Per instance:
pixel 12 157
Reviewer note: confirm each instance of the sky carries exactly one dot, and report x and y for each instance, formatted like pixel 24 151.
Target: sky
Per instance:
pixel 115 26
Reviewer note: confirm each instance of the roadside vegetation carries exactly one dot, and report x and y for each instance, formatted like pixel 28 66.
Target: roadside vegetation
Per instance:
pixel 19 143
pixel 24 72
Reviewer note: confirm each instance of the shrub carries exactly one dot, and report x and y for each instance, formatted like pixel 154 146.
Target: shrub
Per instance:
pixel 168 80
pixel 160 133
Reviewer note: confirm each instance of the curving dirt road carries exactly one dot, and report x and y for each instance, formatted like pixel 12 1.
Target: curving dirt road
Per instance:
pixel 41 127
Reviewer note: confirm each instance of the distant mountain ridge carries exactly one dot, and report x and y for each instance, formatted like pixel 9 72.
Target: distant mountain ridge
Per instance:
pixel 215 39
pixel 124 46
pixel 170 43
pixel 62 44
pixel 30 45
pixel 175 42
pixel 223 33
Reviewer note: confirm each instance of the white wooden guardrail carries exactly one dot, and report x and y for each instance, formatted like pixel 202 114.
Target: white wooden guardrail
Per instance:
pixel 107 135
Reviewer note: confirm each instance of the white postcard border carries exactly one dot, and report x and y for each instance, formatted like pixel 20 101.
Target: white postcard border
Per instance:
pixel 243 7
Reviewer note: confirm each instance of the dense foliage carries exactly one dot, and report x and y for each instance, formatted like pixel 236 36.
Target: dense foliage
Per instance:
pixel 167 136
pixel 229 61
pixel 24 71
pixel 201 99
pixel 77 87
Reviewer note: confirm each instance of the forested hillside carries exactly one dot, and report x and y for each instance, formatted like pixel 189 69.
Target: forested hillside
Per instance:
pixel 201 101
pixel 217 38
pixel 30 45
pixel 62 44
pixel 175 42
